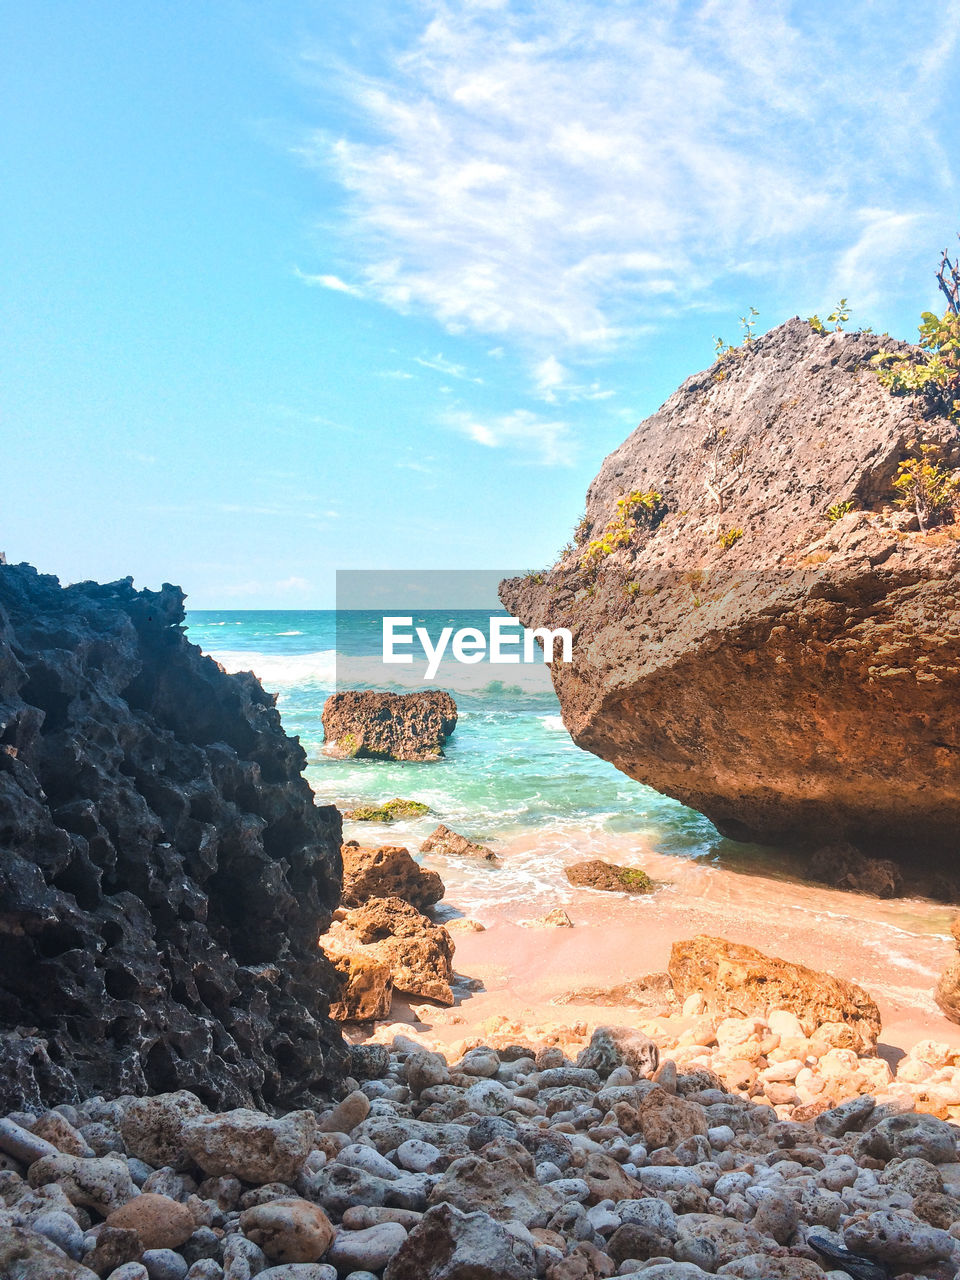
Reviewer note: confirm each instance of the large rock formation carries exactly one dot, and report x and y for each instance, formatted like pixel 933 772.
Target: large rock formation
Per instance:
pixel 368 725
pixel 164 872
pixel 795 679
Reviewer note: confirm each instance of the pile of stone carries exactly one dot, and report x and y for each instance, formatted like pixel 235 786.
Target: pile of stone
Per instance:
pixel 384 942
pixel 508 1165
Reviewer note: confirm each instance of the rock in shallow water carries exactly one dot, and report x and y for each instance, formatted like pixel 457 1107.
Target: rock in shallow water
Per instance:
pixel 388 726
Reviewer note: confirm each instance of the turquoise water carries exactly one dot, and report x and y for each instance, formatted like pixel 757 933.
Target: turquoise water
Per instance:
pixel 511 769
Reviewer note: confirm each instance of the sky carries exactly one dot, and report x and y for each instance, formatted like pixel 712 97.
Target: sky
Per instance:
pixel 296 287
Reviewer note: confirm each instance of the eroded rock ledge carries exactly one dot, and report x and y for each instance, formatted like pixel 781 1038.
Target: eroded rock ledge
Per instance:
pixel 164 872
pixel 794 679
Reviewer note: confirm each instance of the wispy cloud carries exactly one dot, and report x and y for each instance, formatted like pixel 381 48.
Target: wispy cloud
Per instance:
pixel 329 282
pixel 531 437
pixel 554 383
pixel 439 365
pixel 559 172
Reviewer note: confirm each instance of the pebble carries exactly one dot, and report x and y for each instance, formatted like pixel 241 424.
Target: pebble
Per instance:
pixel 366 1250
pixel 165 1264
pixel 559 1163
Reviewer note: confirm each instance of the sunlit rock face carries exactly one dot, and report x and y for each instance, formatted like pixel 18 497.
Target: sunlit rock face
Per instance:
pixel 164 871
pixel 794 677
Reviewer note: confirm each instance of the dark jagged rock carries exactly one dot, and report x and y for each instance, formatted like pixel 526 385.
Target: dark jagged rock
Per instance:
pixel 794 679
pixel 364 724
pixel 164 871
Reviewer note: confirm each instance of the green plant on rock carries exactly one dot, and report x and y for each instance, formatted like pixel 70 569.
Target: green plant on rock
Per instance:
pixel 748 324
pixel 839 316
pixel 927 487
pixel 838 510
pixel 348 744
pixel 640 508
pixel 727 537
pixel 935 374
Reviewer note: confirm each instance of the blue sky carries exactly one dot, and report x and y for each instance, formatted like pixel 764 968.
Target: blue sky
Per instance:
pixel 297 287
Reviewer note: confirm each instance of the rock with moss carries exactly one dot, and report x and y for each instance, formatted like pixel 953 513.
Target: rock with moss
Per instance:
pixel 389 811
pixel 597 874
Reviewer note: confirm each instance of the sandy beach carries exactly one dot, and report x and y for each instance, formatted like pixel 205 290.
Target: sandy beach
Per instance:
pixel 894 948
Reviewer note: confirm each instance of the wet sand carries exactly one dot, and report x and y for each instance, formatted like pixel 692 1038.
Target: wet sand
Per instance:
pixel 895 948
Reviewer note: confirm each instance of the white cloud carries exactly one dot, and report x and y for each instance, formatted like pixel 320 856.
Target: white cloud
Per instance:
pixel 329 282
pixel 439 365
pixel 560 171
pixel 532 437
pixel 884 241
pixel 553 383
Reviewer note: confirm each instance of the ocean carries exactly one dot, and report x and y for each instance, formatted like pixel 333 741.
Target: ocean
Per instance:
pixel 512 776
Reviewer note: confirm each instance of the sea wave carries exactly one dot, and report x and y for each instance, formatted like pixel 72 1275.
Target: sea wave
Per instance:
pixel 281 672
pixel 553 722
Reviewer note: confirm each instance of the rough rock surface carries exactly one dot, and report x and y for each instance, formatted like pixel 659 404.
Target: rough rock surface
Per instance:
pixel 165 871
pixel 366 986
pixel 388 726
pixel 739 980
pixel 387 872
pixel 948 988
pixel 597 874
pixel 453 845
pixel 798 685
pixel 417 952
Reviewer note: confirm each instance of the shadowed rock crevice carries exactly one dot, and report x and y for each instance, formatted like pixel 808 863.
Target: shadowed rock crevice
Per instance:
pixel 164 871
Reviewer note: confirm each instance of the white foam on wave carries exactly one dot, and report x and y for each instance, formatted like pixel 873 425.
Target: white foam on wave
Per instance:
pixel 289 633
pixel 280 671
pixel 554 723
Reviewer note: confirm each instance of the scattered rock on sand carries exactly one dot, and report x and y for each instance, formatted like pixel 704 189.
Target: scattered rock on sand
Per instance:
pixel 464 924
pixel 731 976
pixel 597 874
pixel 447 842
pixel 555 919
pixel 417 952
pixel 388 726
pixel 387 872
